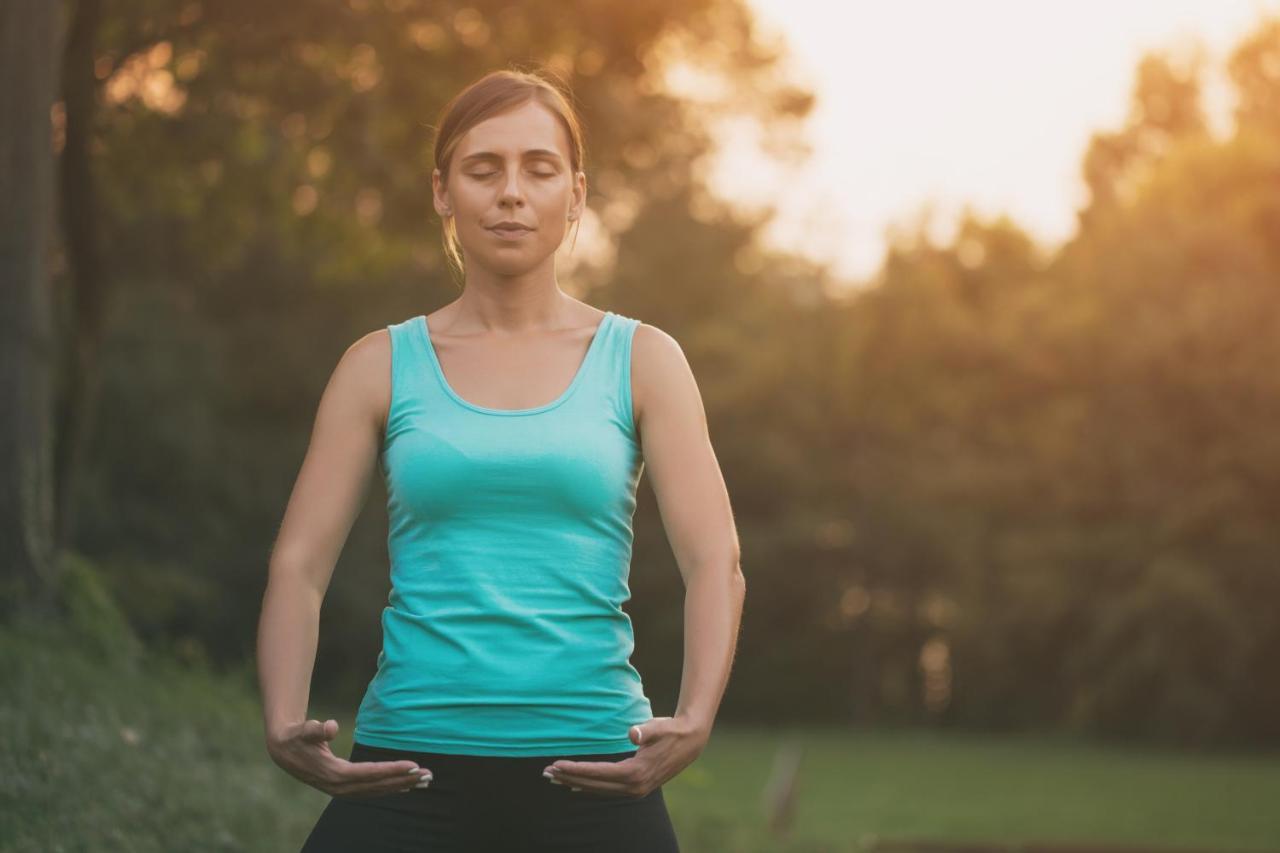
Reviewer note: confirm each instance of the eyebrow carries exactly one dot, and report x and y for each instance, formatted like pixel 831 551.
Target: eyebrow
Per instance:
pixel 493 155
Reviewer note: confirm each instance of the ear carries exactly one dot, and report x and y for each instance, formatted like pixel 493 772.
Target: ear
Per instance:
pixel 579 203
pixel 440 195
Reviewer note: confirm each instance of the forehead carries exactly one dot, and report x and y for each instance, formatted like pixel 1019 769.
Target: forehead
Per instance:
pixel 528 127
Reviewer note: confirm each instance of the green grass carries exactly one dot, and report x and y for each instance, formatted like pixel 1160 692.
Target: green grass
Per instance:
pixel 856 787
pixel 108 755
pixel 133 752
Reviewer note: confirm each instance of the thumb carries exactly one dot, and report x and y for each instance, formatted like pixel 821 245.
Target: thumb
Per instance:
pixel 317 732
pixel 637 735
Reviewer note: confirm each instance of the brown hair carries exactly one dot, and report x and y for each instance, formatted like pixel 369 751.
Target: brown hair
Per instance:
pixel 495 93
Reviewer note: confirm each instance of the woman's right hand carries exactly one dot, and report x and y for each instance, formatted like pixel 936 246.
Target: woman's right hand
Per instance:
pixel 302 749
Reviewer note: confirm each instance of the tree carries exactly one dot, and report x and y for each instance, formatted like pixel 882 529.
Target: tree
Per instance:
pixel 29 38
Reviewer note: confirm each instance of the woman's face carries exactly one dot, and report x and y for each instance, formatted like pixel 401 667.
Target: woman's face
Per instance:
pixel 512 167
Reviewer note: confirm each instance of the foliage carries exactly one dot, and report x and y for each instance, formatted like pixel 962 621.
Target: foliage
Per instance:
pixel 1002 487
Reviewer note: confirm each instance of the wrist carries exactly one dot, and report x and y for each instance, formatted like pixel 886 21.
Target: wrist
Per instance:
pixel 277 730
pixel 695 724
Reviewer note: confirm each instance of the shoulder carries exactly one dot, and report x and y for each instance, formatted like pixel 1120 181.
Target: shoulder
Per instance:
pixel 661 377
pixel 362 376
pixel 369 352
pixel 654 348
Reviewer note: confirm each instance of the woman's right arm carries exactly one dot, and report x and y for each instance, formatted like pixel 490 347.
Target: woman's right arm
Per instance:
pixel 329 492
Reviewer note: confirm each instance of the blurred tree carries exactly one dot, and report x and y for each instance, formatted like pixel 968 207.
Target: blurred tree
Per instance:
pixel 1002 487
pixel 30 33
pixel 1254 67
pixel 264 199
pixel 1164 109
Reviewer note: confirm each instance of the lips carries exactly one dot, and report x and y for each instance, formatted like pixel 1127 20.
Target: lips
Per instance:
pixel 510 233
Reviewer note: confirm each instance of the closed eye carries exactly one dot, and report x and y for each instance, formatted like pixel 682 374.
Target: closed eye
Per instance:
pixel 491 174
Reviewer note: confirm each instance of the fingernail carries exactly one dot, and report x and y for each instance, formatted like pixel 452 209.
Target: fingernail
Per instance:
pixel 426 780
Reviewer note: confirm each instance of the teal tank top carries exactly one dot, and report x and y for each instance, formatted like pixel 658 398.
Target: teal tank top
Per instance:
pixel 510 544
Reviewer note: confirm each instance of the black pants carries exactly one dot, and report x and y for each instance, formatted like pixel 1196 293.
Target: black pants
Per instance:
pixel 485 803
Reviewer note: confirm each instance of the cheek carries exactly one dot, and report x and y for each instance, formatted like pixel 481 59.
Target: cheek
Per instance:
pixel 471 200
pixel 557 193
pixel 554 209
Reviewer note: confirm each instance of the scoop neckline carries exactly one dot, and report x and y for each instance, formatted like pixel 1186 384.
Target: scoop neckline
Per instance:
pixel 596 337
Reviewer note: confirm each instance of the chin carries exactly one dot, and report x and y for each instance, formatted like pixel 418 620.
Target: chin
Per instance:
pixel 513 266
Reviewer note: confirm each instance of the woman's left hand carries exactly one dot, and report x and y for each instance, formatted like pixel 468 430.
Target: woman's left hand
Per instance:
pixel 664 747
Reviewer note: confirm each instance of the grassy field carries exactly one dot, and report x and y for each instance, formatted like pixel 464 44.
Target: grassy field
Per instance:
pixel 108 748
pixel 857 788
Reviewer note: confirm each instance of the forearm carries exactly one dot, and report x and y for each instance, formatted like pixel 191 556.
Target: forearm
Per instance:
pixel 288 635
pixel 712 615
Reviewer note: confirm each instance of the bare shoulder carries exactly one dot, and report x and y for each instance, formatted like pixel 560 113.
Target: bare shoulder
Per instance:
pixel 363 375
pixel 662 381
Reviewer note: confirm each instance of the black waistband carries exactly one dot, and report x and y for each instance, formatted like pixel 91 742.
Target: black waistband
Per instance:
pixel 366 752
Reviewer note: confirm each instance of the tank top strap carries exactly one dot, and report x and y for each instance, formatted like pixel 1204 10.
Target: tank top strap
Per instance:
pixel 417 389
pixel 609 377
pixel 413 387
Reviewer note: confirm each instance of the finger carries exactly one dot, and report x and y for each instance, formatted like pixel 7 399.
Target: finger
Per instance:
pixel 381 788
pixel 364 772
pixel 589 786
pixel 617 785
pixel 314 731
pixel 604 771
pixel 388 782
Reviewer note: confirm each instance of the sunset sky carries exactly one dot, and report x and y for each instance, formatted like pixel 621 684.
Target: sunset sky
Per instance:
pixel 989 102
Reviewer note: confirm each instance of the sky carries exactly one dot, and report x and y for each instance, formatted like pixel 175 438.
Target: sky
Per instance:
pixel 989 103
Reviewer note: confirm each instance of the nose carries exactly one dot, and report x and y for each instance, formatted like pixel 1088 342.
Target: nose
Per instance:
pixel 512 196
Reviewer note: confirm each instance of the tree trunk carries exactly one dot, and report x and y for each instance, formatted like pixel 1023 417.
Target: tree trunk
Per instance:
pixel 73 417
pixel 29 51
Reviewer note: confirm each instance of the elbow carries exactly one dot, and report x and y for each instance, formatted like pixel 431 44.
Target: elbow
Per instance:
pixel 736 577
pixel 716 573
pixel 300 581
pixel 719 567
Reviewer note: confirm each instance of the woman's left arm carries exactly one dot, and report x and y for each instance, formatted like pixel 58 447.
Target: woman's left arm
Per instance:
pixel 696 515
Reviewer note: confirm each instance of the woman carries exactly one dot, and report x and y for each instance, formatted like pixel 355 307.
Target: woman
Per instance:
pixel 504 714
